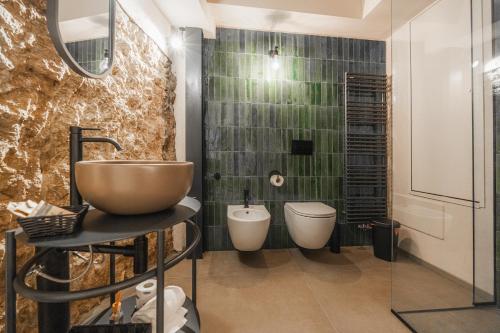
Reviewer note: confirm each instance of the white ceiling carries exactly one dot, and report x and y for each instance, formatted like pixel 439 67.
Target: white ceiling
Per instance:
pixel 341 8
pixel 83 21
pixel 364 19
pixel 188 13
pixel 368 19
pixel 76 9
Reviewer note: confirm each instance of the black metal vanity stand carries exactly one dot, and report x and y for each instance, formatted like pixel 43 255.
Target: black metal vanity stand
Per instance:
pixel 97 229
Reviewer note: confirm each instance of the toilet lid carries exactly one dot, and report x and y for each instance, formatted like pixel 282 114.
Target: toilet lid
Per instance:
pixel 311 209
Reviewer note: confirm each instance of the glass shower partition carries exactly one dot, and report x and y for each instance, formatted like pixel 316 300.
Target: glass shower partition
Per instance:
pixel 443 164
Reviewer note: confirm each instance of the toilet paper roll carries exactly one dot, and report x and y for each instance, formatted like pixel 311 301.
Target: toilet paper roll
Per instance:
pixel 145 291
pixel 277 180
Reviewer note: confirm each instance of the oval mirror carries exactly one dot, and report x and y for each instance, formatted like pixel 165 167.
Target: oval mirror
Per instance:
pixel 83 34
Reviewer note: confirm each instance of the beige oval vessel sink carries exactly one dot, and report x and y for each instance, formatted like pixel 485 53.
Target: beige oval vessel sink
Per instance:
pixel 133 187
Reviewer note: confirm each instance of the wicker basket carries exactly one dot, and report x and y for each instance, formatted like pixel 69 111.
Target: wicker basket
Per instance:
pixel 119 328
pixel 53 226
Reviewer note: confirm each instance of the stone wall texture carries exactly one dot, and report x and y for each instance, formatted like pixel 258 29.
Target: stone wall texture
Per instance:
pixel 40 97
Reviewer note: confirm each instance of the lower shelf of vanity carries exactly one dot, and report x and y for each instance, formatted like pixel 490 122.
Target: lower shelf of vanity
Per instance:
pixel 128 308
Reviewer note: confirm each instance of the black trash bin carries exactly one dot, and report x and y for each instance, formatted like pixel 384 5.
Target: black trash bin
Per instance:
pixel 385 234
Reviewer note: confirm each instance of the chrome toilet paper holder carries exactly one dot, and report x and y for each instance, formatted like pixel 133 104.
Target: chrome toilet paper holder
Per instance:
pixel 277 173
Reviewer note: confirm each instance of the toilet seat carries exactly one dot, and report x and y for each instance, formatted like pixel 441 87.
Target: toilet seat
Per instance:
pixel 311 209
pixel 310 224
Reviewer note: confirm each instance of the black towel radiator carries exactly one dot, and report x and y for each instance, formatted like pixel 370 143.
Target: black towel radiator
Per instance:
pixel 365 147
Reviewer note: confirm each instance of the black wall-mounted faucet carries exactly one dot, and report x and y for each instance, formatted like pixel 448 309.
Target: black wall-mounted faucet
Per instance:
pixel 76 140
pixel 57 262
pixel 246 198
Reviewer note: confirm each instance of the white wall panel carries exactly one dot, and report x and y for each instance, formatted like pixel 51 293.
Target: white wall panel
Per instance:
pixel 441 100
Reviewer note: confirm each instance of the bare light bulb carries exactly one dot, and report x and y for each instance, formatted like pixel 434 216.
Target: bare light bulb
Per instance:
pixel 104 64
pixel 176 41
pixel 275 63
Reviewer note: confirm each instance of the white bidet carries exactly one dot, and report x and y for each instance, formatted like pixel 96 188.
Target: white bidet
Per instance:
pixel 248 226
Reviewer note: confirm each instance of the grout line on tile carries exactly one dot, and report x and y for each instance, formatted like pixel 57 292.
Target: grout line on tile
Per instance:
pixel 318 302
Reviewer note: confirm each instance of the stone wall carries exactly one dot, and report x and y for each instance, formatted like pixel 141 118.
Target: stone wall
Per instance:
pixel 40 97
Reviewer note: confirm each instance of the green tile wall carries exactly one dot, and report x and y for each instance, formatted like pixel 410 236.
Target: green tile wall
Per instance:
pixel 89 53
pixel 252 112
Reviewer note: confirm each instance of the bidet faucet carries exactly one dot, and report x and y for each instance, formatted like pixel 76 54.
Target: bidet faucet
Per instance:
pixel 246 198
pixel 76 140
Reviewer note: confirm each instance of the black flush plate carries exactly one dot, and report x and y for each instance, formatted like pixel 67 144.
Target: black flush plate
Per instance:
pixel 302 147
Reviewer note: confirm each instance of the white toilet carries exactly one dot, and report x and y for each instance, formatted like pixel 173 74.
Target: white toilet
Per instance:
pixel 310 224
pixel 248 227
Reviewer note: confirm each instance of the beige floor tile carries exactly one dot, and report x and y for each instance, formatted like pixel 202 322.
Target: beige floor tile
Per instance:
pixel 230 263
pixel 416 287
pixel 291 291
pixel 317 291
pixel 352 289
pixel 322 261
pixel 276 303
pixel 361 304
pixel 183 269
pixel 362 257
pixel 478 320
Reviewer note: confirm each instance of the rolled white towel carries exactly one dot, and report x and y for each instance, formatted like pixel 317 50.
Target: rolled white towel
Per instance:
pixel 173 311
pixel 175 323
pixel 171 324
pixel 174 297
